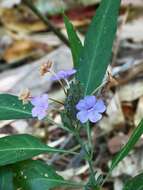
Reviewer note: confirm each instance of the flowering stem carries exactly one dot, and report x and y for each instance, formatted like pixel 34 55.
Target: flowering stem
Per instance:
pixel 67 82
pixel 60 82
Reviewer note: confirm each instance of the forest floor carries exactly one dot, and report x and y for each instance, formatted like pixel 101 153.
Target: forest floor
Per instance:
pixel 26 43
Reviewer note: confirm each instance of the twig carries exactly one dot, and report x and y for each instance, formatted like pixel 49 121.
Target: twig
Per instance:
pixel 117 44
pixel 57 156
pixel 46 21
pixel 49 119
pixel 56 101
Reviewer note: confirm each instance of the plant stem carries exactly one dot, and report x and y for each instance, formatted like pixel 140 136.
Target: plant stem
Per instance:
pixel 55 123
pixel 46 21
pixel 57 101
pixel 89 138
pixel 88 157
pixel 60 81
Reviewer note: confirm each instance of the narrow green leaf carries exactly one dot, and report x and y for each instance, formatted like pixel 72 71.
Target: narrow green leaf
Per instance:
pixel 96 53
pixel 6 178
pixel 74 41
pixel 128 147
pixel 12 108
pixel 21 147
pixel 135 183
pixel 36 175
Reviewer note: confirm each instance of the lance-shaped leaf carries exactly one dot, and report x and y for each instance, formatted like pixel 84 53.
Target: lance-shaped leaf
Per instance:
pixel 12 108
pixel 135 183
pixel 6 178
pixel 22 147
pixel 75 43
pixel 129 146
pixel 96 53
pixel 36 175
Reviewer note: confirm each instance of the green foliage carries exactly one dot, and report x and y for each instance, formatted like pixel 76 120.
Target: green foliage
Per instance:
pixel 32 175
pixel 95 54
pixel 6 178
pixel 21 147
pixel 12 108
pixel 129 146
pixel 74 41
pixel 36 175
pixel 135 183
pixel 91 62
pixel 94 184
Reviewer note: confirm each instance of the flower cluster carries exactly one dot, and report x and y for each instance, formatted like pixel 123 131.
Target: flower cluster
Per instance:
pixel 40 103
pixel 90 109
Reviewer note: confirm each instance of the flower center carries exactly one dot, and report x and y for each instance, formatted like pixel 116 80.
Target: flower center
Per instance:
pixel 90 108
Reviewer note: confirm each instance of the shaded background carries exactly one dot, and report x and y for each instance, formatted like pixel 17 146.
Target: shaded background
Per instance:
pixel 26 43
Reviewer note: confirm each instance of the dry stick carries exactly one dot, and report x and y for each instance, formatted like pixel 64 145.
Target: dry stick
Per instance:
pixel 117 43
pixel 57 156
pixel 46 21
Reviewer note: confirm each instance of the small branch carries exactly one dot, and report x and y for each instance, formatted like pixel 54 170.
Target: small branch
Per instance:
pixel 49 119
pixel 118 40
pixel 56 101
pixel 46 21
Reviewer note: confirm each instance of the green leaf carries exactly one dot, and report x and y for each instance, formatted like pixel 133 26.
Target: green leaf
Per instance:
pixel 96 53
pixel 36 175
pixel 21 147
pixel 128 147
pixel 6 178
pixel 74 41
pixel 135 183
pixel 12 108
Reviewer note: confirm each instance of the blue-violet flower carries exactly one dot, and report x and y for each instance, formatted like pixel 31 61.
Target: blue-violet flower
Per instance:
pixel 64 74
pixel 90 109
pixel 40 104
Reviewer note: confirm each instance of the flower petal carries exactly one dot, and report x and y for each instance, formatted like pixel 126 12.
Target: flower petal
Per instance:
pixel 70 72
pixel 35 101
pixel 40 106
pixel 100 106
pixel 42 114
pixel 35 112
pixel 81 105
pixel 90 101
pixel 54 78
pixel 94 116
pixel 44 97
pixel 44 102
pixel 63 74
pixel 82 116
pixel 58 76
pixel 40 101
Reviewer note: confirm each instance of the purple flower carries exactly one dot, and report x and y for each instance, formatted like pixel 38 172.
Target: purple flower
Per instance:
pixel 40 104
pixel 64 74
pixel 90 109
